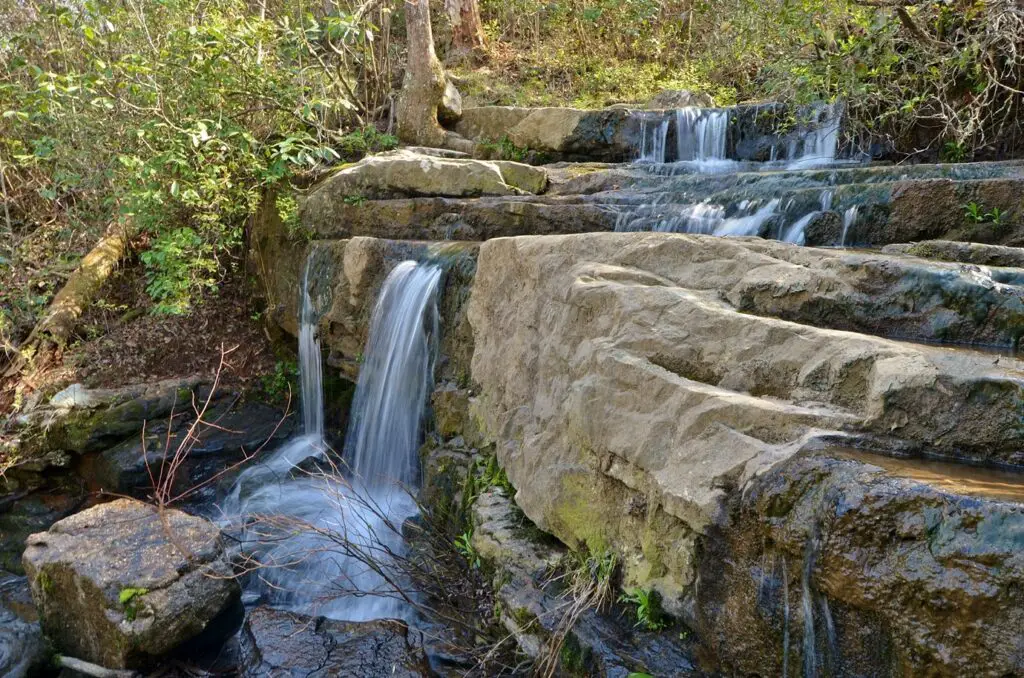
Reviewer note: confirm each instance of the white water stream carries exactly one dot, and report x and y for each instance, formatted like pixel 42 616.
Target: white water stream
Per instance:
pixel 311 530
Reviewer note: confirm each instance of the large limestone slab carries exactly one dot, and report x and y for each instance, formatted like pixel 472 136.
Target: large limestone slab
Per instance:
pixel 646 401
pixel 122 584
pixel 556 132
pixel 405 173
pixel 631 400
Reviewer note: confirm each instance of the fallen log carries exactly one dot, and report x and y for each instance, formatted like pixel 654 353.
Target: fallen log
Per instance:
pixel 51 334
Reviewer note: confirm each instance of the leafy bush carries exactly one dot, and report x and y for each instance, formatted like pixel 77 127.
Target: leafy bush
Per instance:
pixel 175 115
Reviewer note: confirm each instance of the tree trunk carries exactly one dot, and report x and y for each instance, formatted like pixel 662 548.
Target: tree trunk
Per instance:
pixel 467 29
pixel 51 334
pixel 424 81
pixel 423 88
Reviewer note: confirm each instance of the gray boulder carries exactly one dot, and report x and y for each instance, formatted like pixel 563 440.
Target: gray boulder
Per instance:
pixel 450 110
pixel 122 584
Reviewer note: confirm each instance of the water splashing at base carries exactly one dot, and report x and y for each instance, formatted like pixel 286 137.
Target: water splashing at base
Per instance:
pixel 310 529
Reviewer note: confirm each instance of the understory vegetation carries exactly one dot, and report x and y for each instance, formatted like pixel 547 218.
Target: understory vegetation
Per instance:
pixel 916 76
pixel 169 119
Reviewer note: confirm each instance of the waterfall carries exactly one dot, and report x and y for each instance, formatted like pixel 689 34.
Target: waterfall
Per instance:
pixel 849 219
pixel 751 224
pixel 701 134
pixel 818 144
pixel 785 619
pixel 826 200
pixel 703 218
pixel 311 531
pixel 653 137
pixel 395 378
pixel 310 369
pixel 796 233
pixel 807 604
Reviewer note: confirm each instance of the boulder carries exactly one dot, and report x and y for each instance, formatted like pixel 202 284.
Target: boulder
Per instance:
pixel 612 370
pixel 276 643
pixel 122 584
pixel 401 173
pixel 450 110
pixel 885 566
pixel 490 123
pixel 79 420
pixel 679 98
pixel 555 133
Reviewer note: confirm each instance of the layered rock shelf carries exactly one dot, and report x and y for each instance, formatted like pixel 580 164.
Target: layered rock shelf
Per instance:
pixel 782 395
pixel 748 425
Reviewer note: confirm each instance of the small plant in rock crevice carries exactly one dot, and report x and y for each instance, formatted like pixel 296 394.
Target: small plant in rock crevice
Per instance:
pixel 129 599
pixel 464 545
pixel 977 213
pixel 589 581
pixel 974 212
pixel 649 614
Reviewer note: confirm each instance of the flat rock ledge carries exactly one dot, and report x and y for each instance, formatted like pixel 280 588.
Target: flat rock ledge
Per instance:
pixel 277 643
pixel 122 584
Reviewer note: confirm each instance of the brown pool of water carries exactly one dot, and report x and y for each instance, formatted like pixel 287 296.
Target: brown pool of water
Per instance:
pixel 946 476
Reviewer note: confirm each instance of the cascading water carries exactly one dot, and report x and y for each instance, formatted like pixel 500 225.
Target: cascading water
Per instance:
pixel 311 382
pixel 740 201
pixel 653 138
pixel 849 219
pixel 818 145
pixel 702 218
pixel 701 134
pixel 796 232
pixel 395 378
pixel 311 531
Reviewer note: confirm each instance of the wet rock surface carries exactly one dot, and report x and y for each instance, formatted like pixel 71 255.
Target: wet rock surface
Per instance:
pixel 534 607
pixel 28 508
pixel 632 404
pixel 23 650
pixel 230 435
pixel 79 420
pixel 277 643
pixel 883 570
pixel 122 584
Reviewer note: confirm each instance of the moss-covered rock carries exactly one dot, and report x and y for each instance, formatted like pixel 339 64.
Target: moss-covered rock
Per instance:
pixel 79 420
